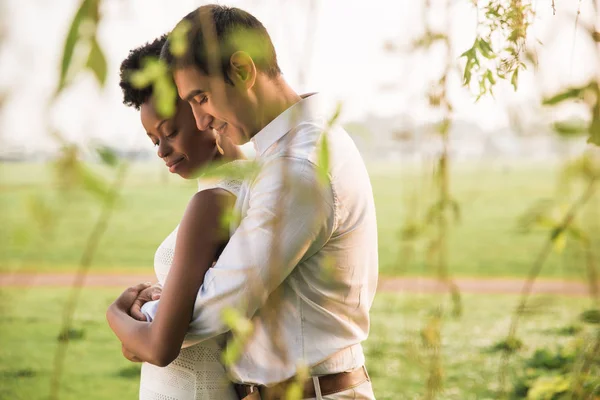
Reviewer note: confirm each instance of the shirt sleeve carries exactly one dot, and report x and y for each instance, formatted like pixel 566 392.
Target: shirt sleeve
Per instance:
pixel 290 216
pixel 149 310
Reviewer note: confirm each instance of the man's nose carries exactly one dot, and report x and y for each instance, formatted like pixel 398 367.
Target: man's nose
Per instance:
pixel 203 120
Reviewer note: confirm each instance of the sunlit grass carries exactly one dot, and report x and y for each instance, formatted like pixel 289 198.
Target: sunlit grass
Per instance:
pixel 396 358
pixel 484 242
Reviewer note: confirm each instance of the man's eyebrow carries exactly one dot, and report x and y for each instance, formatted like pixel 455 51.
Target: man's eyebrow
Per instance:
pixel 193 94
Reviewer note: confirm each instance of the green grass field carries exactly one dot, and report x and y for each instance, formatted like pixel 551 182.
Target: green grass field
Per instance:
pixel 396 358
pixel 485 241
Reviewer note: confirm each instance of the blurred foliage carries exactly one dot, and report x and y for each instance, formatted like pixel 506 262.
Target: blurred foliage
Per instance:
pixel 178 38
pixel 508 345
pixel 591 316
pixel 500 44
pixel 241 329
pixel 82 38
pixel 155 73
pixel 548 216
pixel 296 388
pixel 71 334
pixel 564 372
pixel 569 330
pixel 130 372
pixel 499 52
pixel 588 95
pixel 323 158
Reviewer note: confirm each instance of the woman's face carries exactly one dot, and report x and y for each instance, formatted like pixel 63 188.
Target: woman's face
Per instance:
pixel 184 148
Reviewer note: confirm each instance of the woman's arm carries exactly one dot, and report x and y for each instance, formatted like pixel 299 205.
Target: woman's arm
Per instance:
pixel 200 235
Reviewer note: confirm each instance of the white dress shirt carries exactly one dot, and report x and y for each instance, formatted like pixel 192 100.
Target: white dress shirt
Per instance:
pixel 302 259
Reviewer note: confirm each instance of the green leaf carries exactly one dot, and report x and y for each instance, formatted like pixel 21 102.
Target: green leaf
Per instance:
pixel 490 77
pixel 178 38
pixel 295 389
pixel 595 124
pixel 97 62
pixel 573 127
pixel 485 49
pixel 514 80
pixel 232 352
pixel 142 78
pixel 108 156
pixel 336 115
pixel 165 96
pixel 468 53
pixel 467 75
pixel 87 10
pixel 156 73
pixel 428 39
pixel 569 94
pixel 241 328
pixel 323 160
pixel 236 322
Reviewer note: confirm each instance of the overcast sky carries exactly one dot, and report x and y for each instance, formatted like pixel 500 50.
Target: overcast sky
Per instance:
pixel 338 49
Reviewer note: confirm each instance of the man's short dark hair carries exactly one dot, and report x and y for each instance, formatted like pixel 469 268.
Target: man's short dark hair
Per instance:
pixel 132 96
pixel 233 30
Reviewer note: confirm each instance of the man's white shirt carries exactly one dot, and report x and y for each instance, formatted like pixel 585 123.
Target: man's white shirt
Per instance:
pixel 302 261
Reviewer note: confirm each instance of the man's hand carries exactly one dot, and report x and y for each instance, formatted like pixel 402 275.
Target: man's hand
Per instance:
pixel 146 295
pixel 129 355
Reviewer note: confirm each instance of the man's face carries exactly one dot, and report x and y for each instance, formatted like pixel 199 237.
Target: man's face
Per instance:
pixel 215 103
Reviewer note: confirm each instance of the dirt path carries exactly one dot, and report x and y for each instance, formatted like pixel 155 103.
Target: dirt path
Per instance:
pixel 406 285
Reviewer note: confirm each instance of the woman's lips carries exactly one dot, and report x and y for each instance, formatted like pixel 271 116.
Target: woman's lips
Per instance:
pixel 172 165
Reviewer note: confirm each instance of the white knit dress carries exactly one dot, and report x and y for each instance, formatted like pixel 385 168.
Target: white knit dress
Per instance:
pixel 197 373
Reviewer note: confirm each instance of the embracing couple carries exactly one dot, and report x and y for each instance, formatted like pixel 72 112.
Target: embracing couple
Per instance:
pixel 298 258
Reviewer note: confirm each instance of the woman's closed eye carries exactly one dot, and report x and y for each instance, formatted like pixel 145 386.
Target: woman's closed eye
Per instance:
pixel 172 134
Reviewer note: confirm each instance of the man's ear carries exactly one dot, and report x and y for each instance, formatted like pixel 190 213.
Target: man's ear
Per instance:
pixel 242 69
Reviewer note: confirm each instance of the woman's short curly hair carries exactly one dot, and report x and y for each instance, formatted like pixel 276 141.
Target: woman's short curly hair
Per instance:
pixel 132 96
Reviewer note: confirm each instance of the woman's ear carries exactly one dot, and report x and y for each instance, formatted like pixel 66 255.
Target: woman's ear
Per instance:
pixel 242 69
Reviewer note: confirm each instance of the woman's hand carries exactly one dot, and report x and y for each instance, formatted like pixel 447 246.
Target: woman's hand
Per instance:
pixel 146 295
pixel 129 355
pixel 125 301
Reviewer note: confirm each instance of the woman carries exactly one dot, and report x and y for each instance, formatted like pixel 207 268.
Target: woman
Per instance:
pixel 169 371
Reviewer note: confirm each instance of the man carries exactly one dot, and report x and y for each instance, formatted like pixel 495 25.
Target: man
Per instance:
pixel 302 262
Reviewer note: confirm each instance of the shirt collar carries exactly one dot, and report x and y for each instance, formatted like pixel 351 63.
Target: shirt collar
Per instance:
pixel 305 109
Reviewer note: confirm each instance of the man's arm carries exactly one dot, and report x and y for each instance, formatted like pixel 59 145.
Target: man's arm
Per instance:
pixel 290 212
pixel 199 236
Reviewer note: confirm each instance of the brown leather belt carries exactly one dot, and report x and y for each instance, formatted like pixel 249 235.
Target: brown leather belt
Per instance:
pixel 329 384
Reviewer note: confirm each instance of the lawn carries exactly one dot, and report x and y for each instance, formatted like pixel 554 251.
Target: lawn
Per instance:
pixel 396 358
pixel 484 242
